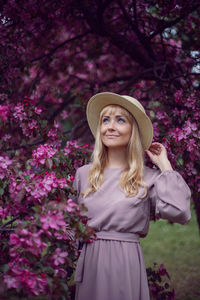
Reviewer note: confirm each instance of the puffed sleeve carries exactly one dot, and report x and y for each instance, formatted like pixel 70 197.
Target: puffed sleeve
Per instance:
pixel 170 196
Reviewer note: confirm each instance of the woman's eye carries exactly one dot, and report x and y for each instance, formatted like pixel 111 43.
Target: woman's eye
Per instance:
pixel 105 120
pixel 121 120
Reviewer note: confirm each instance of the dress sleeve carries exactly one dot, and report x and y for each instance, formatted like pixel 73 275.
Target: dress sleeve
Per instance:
pixel 170 197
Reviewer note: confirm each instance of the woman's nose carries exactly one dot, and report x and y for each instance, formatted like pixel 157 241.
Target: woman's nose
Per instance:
pixel 111 125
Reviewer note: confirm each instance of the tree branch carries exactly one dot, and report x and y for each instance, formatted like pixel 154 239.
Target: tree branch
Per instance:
pixel 61 45
pixel 141 37
pixel 62 106
pixel 121 42
pixel 165 24
pixel 9 222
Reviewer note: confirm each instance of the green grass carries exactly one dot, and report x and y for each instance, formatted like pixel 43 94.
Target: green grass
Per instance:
pixel 178 248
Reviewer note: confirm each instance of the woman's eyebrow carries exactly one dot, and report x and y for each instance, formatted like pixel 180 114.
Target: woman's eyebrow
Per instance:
pixel 117 116
pixel 120 116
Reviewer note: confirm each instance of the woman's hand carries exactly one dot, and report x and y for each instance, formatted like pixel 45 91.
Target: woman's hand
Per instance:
pixel 158 155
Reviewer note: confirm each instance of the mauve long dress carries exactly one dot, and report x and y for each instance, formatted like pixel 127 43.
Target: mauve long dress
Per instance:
pixel 112 267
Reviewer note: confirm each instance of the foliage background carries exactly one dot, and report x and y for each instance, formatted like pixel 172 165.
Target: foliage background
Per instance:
pixel 54 55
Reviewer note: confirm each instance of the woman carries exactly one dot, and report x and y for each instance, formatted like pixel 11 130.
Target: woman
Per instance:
pixel 118 191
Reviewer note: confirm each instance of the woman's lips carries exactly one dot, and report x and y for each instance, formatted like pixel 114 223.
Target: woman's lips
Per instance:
pixel 111 136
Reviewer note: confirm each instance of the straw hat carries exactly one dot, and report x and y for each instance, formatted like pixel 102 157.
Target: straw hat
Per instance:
pixel 99 101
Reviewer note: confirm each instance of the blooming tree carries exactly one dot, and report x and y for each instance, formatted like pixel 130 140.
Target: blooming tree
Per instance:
pixel 53 56
pixel 40 221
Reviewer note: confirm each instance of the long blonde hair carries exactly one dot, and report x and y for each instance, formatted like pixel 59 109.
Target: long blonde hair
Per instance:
pixel 131 178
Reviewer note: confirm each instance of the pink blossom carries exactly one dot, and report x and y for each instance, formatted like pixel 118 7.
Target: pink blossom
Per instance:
pixel 53 220
pixel 6 137
pixel 175 43
pixel 5 162
pixel 31 242
pixel 11 282
pixel 190 103
pixel 155 130
pixel 162 271
pixel 61 182
pixel 163 117
pixel 61 273
pixel 191 171
pixel 178 96
pixel 17 186
pixel 42 153
pixel 70 205
pixel 189 127
pixel 56 124
pixel 33 125
pixel 77 163
pixel 70 146
pixel 178 134
pixel 23 278
pixel 42 185
pixel 38 110
pixel 64 115
pixel 19 112
pixel 59 257
pixel 52 133
pixel 191 145
pixel 177 112
pixel 2 212
pixel 4 112
pixel 14 239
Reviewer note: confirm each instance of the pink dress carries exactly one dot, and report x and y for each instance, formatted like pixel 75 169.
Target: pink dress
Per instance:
pixel 112 267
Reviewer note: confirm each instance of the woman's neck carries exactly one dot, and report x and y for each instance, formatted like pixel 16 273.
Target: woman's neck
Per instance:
pixel 117 158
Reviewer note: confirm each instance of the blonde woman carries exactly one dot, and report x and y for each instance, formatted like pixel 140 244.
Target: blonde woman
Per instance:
pixel 118 190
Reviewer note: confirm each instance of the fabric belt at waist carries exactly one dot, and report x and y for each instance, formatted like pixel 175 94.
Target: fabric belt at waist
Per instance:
pixel 103 235
pixel 118 236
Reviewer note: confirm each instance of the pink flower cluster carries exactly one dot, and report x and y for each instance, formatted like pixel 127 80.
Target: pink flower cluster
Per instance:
pixel 2 213
pixel 38 110
pixel 42 153
pixel 29 127
pixel 44 185
pixel 162 116
pixel 30 242
pixel 53 220
pixel 5 162
pixel 34 186
pixel 17 185
pixel 4 112
pixel 70 146
pixel 71 205
pixel 59 257
pixel 26 280
pixel 19 112
pixel 183 133
pixel 22 243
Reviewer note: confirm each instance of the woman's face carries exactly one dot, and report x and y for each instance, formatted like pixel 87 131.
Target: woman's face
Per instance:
pixel 115 127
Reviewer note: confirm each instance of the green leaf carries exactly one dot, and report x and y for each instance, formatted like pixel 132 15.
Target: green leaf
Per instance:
pixel 27 177
pixel 65 286
pixel 81 227
pixel 1 192
pixel 50 283
pixel 4 184
pixel 48 270
pixel 4 268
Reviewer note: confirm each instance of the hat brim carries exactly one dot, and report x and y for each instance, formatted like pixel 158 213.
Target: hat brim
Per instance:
pixel 99 101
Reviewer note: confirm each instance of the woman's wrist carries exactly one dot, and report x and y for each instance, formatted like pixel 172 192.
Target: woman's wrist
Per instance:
pixel 165 166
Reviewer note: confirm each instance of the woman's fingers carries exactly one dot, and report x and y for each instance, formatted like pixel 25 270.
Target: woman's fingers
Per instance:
pixel 155 148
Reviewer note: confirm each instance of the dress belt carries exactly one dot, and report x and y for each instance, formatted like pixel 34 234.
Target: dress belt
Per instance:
pixel 118 236
pixel 103 235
